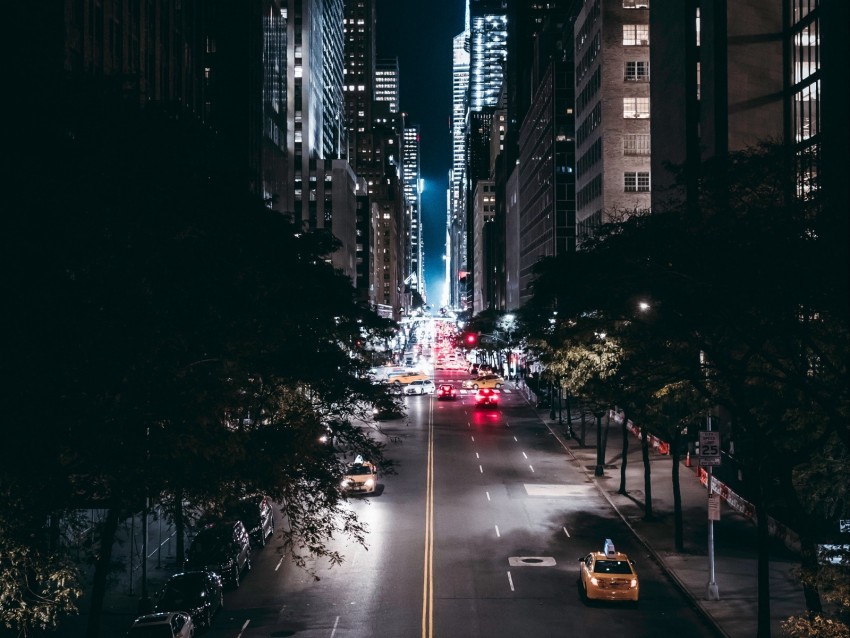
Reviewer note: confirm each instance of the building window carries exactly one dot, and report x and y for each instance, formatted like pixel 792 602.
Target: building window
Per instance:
pixel 636 71
pixel 635 4
pixel 635 34
pixel 636 144
pixel 635 107
pixel 636 182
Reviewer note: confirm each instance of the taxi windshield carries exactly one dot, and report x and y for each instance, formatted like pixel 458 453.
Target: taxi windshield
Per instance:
pixel 357 470
pixel 612 567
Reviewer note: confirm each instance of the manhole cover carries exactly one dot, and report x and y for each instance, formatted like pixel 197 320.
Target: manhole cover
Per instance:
pixel 531 561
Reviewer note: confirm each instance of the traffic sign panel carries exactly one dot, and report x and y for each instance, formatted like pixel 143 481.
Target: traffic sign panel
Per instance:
pixel 709 448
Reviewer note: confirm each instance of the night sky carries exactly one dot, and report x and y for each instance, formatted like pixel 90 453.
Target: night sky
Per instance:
pixel 420 35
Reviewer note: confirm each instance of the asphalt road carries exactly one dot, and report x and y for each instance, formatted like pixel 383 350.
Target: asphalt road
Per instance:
pixel 478 535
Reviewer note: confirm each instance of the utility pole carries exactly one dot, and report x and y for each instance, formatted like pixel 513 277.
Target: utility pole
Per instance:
pixel 712 592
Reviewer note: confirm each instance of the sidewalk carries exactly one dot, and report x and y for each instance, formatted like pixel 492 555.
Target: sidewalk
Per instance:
pixel 735 614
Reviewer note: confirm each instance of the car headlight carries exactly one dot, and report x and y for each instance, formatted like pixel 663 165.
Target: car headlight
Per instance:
pixel 633 582
pixel 345 483
pixel 594 581
pixel 369 482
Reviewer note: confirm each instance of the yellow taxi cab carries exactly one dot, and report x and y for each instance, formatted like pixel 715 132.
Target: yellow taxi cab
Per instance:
pixel 361 477
pixel 403 378
pixel 488 381
pixel 608 575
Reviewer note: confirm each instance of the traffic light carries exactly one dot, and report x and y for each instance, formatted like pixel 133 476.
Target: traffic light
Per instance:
pixel 470 338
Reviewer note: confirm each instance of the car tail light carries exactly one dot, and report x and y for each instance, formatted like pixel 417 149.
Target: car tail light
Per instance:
pixel 633 582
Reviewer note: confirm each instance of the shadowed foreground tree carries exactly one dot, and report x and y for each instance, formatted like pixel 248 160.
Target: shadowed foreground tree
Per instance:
pixel 752 283
pixel 171 339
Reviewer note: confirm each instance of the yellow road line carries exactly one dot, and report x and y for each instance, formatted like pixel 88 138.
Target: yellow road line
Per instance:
pixel 428 571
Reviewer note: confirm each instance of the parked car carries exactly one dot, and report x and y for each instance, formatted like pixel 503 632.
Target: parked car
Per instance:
pixel 424 386
pixel 608 575
pixel 163 625
pixel 197 593
pixel 361 477
pixel 486 398
pixel 446 391
pixel 256 514
pixel 222 547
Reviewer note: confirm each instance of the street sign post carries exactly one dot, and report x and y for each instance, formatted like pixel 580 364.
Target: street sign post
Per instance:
pixel 709 448
pixel 714 507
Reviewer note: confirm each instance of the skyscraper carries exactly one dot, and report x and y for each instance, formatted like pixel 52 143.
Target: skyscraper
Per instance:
pixel 411 179
pixel 387 82
pixel 456 213
pixel 314 101
pixel 488 51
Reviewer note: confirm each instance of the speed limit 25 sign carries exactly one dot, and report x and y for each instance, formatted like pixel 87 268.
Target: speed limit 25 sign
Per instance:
pixel 709 448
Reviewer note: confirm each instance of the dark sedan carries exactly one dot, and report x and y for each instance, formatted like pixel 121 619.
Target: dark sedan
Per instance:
pixel 197 593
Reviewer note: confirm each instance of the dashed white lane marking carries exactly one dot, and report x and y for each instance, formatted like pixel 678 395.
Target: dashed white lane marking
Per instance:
pixel 333 631
pixel 481 469
pixel 473 439
pixel 532 467
pixel 515 439
pixel 242 631
pixel 488 495
pixel 566 532
pixel 525 455
pixel 476 456
pixel 510 581
pixel 498 535
pixel 279 563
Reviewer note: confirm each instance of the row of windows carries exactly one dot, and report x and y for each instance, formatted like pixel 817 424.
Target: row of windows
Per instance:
pixel 588 57
pixel 589 90
pixel 586 26
pixel 591 156
pixel 593 120
pixel 589 192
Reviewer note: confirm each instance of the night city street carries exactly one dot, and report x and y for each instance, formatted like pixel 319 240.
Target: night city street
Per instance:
pixel 442 319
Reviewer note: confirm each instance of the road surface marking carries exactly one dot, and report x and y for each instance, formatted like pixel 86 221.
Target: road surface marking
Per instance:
pixel 476 456
pixel 488 495
pixel 498 535
pixel 473 439
pixel 566 532
pixel 510 581
pixel 525 455
pixel 336 622
pixel 279 563
pixel 532 467
pixel 516 439
pixel 481 469
pixel 428 571
pixel 242 631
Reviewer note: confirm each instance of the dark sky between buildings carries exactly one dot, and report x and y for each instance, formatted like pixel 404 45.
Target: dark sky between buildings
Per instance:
pixel 419 33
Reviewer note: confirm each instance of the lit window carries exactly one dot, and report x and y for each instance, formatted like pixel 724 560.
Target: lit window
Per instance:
pixel 635 34
pixel 635 107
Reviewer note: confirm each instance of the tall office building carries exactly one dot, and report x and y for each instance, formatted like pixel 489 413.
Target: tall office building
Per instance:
pixel 387 82
pixel 455 200
pixel 314 101
pixel 488 50
pixel 359 78
pixel 612 111
pixel 411 178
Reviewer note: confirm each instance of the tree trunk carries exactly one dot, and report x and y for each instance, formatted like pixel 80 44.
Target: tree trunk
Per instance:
pixel 625 453
pixel 647 475
pixel 763 551
pixel 678 523
pixel 101 570
pixel 808 548
pixel 583 426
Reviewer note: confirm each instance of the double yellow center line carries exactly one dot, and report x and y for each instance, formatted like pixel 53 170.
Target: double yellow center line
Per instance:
pixel 428 574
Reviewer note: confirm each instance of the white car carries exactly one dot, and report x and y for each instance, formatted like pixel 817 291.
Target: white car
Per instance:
pixel 167 625
pixel 424 386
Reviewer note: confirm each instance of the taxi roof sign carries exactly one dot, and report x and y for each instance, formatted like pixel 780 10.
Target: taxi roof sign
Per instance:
pixel 608 548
